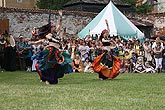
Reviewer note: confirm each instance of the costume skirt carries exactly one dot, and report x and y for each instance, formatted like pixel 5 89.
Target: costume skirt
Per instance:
pixel 103 69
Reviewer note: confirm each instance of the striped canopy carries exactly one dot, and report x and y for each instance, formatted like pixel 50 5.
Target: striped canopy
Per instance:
pixel 119 24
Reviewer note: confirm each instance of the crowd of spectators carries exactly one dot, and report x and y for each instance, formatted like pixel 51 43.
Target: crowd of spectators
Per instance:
pixel 147 56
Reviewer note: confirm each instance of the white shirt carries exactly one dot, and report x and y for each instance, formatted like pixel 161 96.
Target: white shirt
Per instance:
pixel 154 45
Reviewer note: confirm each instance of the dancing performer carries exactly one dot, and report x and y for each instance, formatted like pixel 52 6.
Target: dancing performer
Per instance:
pixel 52 63
pixel 106 65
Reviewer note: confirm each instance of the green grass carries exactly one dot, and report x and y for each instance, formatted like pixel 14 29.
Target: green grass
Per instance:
pixel 82 91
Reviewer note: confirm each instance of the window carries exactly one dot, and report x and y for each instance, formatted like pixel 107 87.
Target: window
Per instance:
pixel 19 1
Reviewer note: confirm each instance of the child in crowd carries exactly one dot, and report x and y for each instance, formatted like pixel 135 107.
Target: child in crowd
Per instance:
pixel 149 68
pixel 77 64
pixel 140 67
pixel 87 66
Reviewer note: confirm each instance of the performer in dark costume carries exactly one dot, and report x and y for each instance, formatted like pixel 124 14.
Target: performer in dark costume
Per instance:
pixel 52 63
pixel 106 65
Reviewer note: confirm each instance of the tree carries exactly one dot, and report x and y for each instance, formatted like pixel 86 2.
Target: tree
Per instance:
pixel 51 4
pixel 144 8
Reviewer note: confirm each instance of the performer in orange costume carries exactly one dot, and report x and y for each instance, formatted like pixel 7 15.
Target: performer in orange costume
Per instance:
pixel 103 70
pixel 106 65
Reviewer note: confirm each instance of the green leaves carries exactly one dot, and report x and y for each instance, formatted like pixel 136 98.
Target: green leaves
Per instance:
pixel 144 8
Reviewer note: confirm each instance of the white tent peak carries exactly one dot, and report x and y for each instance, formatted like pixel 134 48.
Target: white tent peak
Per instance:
pixel 119 24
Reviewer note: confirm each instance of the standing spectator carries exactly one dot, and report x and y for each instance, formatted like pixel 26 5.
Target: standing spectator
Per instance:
pixel 2 47
pixel 155 43
pixel 92 52
pixel 72 49
pixel 28 55
pixel 147 51
pixel 163 61
pixel 10 53
pixel 137 47
pixel 158 55
pixel 20 47
pixel 84 51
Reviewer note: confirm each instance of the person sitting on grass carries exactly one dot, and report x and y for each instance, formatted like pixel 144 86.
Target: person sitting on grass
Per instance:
pixel 139 67
pixel 149 68
pixel 77 64
pixel 87 66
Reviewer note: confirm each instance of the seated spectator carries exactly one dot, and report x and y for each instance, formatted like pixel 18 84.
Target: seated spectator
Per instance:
pixel 127 66
pixel 84 51
pixel 126 55
pixel 121 52
pixel 140 67
pixel 134 58
pixel 73 48
pixel 77 64
pixel 149 68
pixel 87 66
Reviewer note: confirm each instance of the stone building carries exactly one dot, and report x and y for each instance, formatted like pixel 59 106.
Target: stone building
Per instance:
pixel 18 3
pixel 21 21
pixel 159 6
pixel 95 5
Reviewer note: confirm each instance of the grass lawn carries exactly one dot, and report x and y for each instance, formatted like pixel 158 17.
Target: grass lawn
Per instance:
pixel 82 91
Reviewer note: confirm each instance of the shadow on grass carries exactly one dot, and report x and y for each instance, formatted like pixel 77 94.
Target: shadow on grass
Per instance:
pixel 69 79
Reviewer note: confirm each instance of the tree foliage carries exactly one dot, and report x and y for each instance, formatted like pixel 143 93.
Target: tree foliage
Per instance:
pixel 144 8
pixel 51 4
pixel 57 4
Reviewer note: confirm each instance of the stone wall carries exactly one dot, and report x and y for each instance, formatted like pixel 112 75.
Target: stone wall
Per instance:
pixel 158 21
pixel 22 21
pixel 159 24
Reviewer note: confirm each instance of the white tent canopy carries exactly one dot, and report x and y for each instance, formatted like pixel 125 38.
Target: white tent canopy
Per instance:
pixel 119 24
